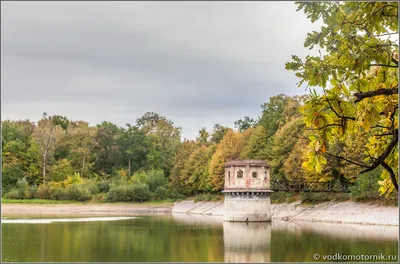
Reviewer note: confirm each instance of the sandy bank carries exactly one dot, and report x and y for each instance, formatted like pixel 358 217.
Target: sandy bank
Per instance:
pixel 84 209
pixel 331 212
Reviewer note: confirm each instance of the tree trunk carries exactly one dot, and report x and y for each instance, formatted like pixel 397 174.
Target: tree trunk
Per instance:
pixel 83 164
pixel 129 167
pixel 392 175
pixel 44 167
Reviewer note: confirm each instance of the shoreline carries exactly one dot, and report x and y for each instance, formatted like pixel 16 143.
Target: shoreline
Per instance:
pixel 329 212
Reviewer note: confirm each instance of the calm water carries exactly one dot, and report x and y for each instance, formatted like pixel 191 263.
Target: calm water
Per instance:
pixel 185 238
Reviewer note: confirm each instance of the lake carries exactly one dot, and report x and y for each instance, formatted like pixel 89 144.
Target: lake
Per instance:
pixel 185 238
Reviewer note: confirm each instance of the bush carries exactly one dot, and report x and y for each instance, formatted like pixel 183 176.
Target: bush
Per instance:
pixel 14 194
pixel 91 186
pixel 74 179
pixel 207 197
pixel 160 193
pixel 103 186
pixel 366 186
pixel 78 192
pixel 121 193
pixel 155 179
pixel 31 192
pixel 174 194
pixel 141 192
pixel 138 177
pixel 42 192
pixel 61 170
pixel 310 197
pixel 20 191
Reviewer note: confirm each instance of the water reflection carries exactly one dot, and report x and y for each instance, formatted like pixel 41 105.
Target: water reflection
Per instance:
pixel 188 238
pixel 247 242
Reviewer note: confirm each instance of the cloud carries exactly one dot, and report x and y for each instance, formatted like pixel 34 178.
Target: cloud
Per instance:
pixel 198 63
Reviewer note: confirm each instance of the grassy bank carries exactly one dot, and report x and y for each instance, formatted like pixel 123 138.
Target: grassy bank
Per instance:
pixel 45 201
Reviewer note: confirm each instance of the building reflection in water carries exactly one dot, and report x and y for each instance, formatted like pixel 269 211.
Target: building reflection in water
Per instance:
pixel 247 242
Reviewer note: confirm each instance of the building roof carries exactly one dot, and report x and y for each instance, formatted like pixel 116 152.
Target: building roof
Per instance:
pixel 251 163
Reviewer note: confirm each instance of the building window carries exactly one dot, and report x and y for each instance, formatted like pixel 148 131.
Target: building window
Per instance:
pixel 229 174
pixel 239 173
pixel 254 174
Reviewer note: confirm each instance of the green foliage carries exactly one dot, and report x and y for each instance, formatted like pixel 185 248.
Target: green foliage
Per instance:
pixel 61 170
pixel 155 179
pixel 121 193
pixel 366 186
pixel 207 197
pixel 141 192
pixel 21 190
pixel 78 192
pixel 358 73
pixel 160 193
pixel 245 123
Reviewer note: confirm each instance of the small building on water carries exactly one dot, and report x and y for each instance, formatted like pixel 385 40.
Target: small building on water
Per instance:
pixel 247 191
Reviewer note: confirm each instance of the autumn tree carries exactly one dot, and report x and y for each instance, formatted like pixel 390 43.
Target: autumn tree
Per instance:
pixel 229 148
pixel 45 135
pixel 357 69
pixel 177 177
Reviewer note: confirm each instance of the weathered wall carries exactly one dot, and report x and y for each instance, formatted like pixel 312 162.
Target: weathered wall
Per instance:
pixel 247 207
pixel 247 182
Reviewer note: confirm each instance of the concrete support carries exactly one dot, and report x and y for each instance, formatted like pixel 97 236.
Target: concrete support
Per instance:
pixel 247 206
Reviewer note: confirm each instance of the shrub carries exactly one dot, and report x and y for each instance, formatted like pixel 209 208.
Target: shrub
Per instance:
pixel 55 190
pixel 207 197
pixel 311 197
pixel 141 192
pixel 61 170
pixel 121 193
pixel 103 186
pixel 366 186
pixel 31 192
pixel 138 177
pixel 42 192
pixel 78 192
pixel 14 194
pixel 74 179
pixel 20 191
pixel 160 193
pixel 91 186
pixel 174 194
pixel 155 179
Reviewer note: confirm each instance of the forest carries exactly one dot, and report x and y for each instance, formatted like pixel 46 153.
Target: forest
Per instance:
pixel 61 159
pixel 346 134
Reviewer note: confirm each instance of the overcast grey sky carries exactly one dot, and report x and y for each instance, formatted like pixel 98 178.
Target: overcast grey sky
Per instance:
pixel 197 63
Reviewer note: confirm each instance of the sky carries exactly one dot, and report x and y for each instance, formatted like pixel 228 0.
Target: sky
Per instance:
pixel 196 63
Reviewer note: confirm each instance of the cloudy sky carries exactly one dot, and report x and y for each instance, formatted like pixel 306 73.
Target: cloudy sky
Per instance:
pixel 197 63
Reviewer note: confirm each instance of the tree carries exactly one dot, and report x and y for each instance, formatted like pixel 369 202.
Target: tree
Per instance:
pixel 105 148
pixel 245 123
pixel 272 113
pixel 218 133
pixel 134 148
pixel 185 150
pixel 203 136
pixel 81 141
pixel 45 135
pixel 61 170
pixel 358 73
pixel 164 139
pixel 228 149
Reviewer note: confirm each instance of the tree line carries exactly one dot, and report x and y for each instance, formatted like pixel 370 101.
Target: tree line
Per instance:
pixel 57 158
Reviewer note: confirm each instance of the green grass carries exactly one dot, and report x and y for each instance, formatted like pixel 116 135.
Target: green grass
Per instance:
pixel 38 201
pixel 44 201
